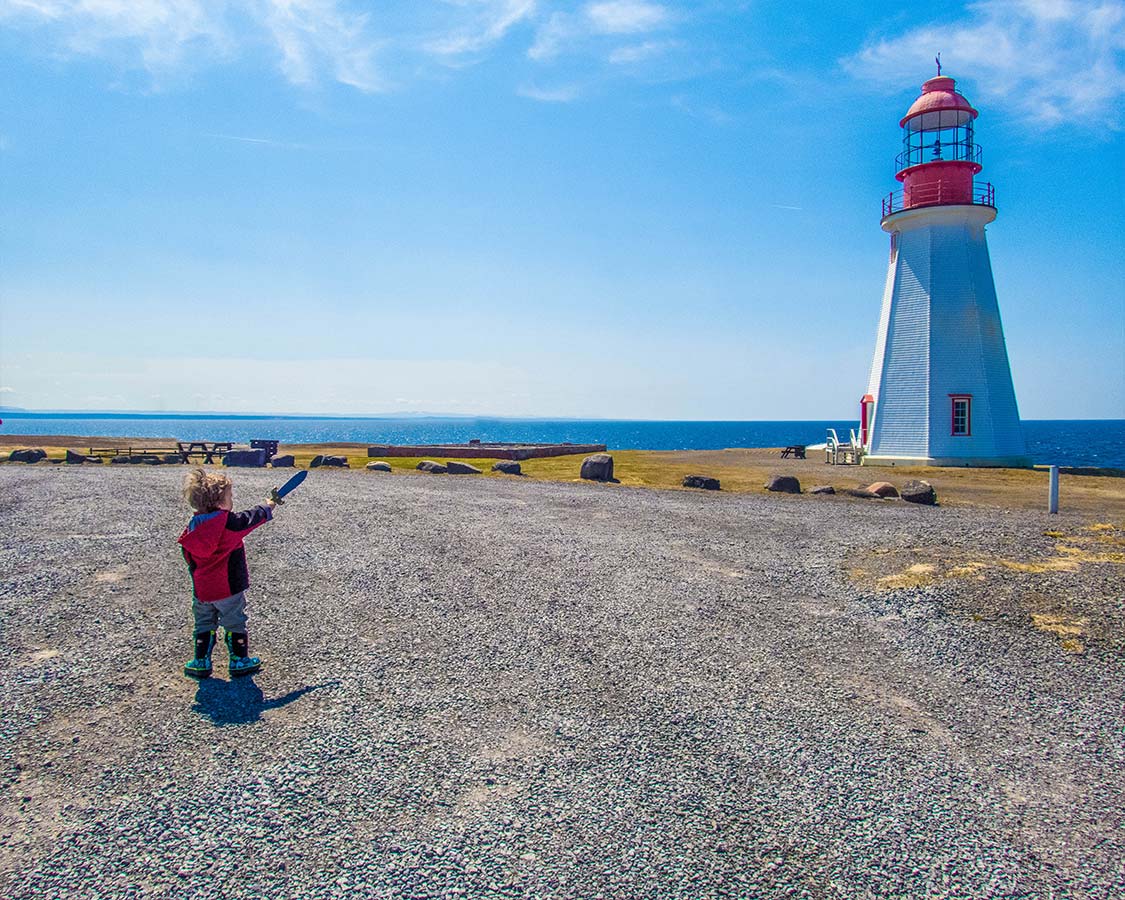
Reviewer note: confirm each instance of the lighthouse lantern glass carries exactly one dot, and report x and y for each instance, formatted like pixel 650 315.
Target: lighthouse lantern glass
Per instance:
pixel 945 134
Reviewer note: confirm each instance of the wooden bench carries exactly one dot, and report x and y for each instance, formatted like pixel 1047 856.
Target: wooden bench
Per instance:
pixel 797 451
pixel 132 451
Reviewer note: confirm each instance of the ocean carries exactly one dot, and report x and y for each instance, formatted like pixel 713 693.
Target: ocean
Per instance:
pixel 1099 442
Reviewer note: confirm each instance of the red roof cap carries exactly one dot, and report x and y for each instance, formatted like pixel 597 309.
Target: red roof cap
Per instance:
pixel 939 93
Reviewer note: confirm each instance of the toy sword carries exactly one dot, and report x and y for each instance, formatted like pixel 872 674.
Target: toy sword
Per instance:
pixel 277 494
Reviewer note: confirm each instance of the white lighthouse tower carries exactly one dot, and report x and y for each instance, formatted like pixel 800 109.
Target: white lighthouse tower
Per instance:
pixel 940 391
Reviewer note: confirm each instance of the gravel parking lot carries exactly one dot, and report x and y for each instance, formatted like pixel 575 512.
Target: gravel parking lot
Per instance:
pixel 505 688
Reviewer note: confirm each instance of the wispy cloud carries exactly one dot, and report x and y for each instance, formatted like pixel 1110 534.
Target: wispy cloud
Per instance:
pixel 350 42
pixel 490 21
pixel 626 16
pixel 634 53
pixel 266 142
pixel 315 33
pixel 562 94
pixel 708 112
pixel 312 38
pixel 606 18
pixel 1048 61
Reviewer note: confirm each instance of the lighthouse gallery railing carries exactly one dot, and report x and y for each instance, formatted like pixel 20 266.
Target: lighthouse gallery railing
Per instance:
pixel 938 193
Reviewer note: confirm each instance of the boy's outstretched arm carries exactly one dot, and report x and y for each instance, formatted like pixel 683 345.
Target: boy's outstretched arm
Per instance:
pixel 247 521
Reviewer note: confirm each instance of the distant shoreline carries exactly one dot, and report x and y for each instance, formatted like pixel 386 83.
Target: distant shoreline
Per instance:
pixel 1076 443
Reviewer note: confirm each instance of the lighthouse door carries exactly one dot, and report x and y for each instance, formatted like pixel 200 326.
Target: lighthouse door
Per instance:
pixel 866 417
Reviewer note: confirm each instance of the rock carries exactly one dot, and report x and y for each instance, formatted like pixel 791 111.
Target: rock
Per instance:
pixel 508 467
pixel 173 459
pixel 338 462
pixel 919 492
pixel 785 484
pixel 434 468
pixel 883 489
pixel 317 462
pixel 75 459
pixel 27 456
pixel 146 459
pixel 118 460
pixel 459 468
pixel 701 481
pixel 598 467
pixel 283 462
pixel 863 494
pixel 823 489
pixel 378 466
pixel 245 458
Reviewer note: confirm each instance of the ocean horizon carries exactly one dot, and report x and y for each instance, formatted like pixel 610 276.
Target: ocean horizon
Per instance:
pixel 1065 442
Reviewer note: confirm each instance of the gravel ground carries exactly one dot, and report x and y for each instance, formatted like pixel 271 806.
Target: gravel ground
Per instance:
pixel 505 688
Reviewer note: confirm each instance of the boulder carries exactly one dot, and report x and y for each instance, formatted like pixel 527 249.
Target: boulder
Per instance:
pixel 919 492
pixel 378 466
pixel 823 489
pixel 75 459
pixel 508 467
pixel 27 456
pixel 434 468
pixel 863 494
pixel 598 467
pixel 150 459
pixel 245 458
pixel 283 462
pixel 459 468
pixel 701 481
pixel 785 484
pixel 119 460
pixel 317 461
pixel 338 462
pixel 173 459
pixel 883 488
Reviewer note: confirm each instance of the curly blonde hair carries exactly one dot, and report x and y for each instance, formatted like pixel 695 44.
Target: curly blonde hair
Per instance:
pixel 204 490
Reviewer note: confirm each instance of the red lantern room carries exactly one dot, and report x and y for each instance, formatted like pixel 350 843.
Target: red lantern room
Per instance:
pixel 939 155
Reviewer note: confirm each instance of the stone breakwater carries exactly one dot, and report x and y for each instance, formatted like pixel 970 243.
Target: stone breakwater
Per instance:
pixel 505 688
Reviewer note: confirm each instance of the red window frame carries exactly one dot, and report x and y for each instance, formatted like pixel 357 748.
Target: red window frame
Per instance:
pixel 967 399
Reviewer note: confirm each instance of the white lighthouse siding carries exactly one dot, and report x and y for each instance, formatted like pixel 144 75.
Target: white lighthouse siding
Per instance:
pixel 901 426
pixel 942 336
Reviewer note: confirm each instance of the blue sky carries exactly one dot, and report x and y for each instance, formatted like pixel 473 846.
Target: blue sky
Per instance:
pixel 616 208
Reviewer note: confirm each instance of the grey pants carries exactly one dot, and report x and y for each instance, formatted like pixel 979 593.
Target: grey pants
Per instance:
pixel 230 613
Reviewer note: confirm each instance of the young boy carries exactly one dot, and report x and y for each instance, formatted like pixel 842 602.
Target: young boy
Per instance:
pixel 216 559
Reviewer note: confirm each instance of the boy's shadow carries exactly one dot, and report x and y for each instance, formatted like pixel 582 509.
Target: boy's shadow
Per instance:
pixel 240 701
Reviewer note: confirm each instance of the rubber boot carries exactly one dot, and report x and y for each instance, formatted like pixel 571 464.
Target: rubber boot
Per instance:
pixel 200 667
pixel 241 662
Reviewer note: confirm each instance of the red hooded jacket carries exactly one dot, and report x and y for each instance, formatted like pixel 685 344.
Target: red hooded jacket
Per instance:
pixel 212 547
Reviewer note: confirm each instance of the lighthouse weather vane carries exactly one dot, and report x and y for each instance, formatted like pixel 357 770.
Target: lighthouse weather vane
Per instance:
pixel 937 59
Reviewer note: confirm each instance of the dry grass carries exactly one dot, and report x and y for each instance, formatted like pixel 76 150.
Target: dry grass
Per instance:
pixel 1100 497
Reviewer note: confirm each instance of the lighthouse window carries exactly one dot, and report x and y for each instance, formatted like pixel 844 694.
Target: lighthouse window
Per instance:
pixel 962 416
pixel 940 135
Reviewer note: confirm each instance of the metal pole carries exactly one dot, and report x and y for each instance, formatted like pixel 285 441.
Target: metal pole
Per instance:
pixel 1053 492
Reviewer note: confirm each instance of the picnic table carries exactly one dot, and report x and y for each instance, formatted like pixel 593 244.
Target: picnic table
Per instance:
pixel 797 451
pixel 205 450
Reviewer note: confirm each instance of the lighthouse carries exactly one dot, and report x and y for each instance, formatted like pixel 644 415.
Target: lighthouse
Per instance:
pixel 940 391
